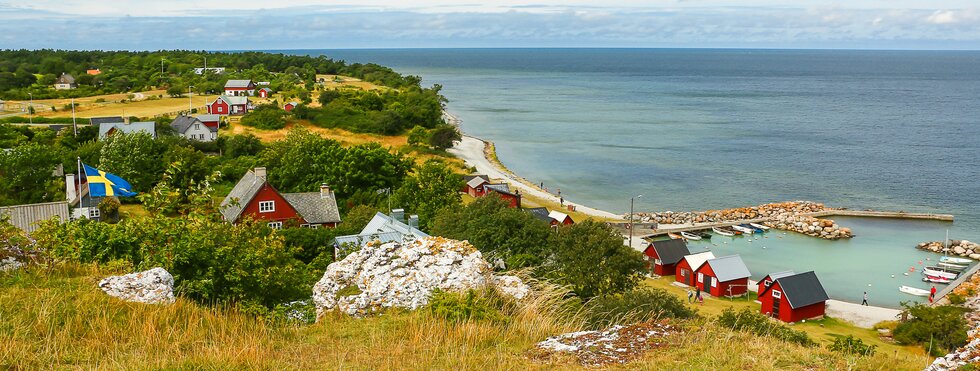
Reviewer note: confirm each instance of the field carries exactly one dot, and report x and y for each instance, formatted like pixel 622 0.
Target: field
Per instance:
pixel 336 82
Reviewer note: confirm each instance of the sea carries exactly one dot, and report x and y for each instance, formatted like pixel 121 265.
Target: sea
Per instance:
pixel 695 129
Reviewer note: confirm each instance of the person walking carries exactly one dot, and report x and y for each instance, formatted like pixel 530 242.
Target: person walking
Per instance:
pixel 865 301
pixel 697 295
pixel 690 296
pixel 932 293
pixel 561 201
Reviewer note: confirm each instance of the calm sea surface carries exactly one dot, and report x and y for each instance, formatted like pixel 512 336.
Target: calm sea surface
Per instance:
pixel 708 129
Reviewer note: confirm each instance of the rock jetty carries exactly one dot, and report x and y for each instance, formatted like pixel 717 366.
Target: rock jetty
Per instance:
pixel 962 248
pixel 810 226
pixel 789 216
pixel 404 275
pixel 969 354
pixel 155 286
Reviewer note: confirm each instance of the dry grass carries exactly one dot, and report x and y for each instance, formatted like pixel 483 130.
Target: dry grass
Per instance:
pixel 59 319
pixel 142 108
pixel 347 81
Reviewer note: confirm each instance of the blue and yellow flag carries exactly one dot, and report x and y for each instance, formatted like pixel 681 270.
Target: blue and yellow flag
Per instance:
pixel 103 184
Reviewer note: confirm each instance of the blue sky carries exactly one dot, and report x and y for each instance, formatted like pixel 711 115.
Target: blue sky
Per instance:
pixel 317 24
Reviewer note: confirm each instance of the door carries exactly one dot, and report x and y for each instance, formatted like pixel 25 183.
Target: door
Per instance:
pixel 707 284
pixel 777 301
pixel 687 276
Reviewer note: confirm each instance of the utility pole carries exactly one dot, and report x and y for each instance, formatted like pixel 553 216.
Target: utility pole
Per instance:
pixel 161 66
pixel 631 218
pixel 30 109
pixel 73 124
pixel 190 103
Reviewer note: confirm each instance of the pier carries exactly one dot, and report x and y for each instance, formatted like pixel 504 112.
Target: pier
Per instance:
pixel 963 277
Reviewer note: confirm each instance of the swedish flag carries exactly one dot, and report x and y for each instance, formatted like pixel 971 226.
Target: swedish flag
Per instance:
pixel 103 184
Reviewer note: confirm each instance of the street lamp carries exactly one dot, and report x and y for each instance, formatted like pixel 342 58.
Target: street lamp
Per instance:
pixel 30 109
pixel 631 218
pixel 190 103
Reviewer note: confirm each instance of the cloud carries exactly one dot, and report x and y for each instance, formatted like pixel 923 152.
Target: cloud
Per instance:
pixel 942 17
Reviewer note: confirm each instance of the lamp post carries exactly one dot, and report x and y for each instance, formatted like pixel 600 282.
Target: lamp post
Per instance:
pixel 632 199
pixel 161 66
pixel 190 103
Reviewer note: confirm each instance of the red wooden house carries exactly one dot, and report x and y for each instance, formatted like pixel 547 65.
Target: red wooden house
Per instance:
pixel 767 280
pixel 502 190
pixel 690 263
pixel 724 276
pixel 228 105
pixel 665 255
pixel 289 106
pixel 265 92
pixel 560 218
pixel 794 298
pixel 239 88
pixel 255 198
pixel 476 185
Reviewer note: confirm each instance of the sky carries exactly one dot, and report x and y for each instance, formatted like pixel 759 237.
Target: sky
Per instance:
pixel 318 24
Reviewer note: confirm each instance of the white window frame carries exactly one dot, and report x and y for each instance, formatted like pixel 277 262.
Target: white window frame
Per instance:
pixel 310 226
pixel 766 283
pixel 777 294
pixel 94 212
pixel 714 283
pixel 267 206
pixel 700 277
pixel 275 225
pixel 657 262
pixel 197 126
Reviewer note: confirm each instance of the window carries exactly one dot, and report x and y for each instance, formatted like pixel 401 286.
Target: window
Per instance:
pixel 714 283
pixel 201 136
pixel 275 225
pixel 94 213
pixel 700 277
pixel 267 206
pixel 658 262
pixel 310 226
pixel 767 283
pixel 776 294
pixel 197 126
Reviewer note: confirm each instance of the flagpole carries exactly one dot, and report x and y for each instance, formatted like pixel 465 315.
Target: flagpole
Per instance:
pixel 79 181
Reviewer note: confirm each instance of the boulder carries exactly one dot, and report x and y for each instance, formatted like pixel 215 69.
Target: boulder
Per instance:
pixel 155 286
pixel 404 275
pixel 959 250
pixel 975 256
pixel 9 263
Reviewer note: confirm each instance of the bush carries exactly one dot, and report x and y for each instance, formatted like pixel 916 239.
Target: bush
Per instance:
pixel 956 299
pixel 940 329
pixel 485 305
pixel 266 116
pixel 639 305
pixel 851 345
pixel 751 321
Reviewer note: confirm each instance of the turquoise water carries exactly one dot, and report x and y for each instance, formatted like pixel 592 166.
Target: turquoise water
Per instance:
pixel 708 129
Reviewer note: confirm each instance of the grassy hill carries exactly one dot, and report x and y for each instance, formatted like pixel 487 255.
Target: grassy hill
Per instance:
pixel 58 318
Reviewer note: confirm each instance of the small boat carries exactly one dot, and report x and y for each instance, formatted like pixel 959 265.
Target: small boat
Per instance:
pixel 722 232
pixel 936 279
pixel 749 226
pixel 703 233
pixel 936 271
pixel 743 229
pixel 675 236
pixel 759 226
pixel 691 236
pixel 913 291
pixel 951 266
pixel 955 260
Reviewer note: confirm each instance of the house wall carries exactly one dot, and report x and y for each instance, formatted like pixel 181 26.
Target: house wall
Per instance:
pixel 218 107
pixel 512 201
pixel 238 92
pixel 680 269
pixel 738 286
pixel 786 312
pixel 238 109
pixel 212 124
pixel 476 191
pixel 283 210
pixel 201 134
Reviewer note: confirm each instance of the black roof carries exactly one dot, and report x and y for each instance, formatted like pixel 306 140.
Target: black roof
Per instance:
pixel 670 251
pixel 109 120
pixel 802 289
pixel 540 213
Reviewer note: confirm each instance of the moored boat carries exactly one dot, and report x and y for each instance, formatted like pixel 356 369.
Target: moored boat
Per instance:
pixel 703 233
pixel 760 226
pixel 955 260
pixel 951 266
pixel 913 291
pixel 749 226
pixel 722 232
pixel 691 236
pixel 675 236
pixel 743 229
pixel 936 271
pixel 936 279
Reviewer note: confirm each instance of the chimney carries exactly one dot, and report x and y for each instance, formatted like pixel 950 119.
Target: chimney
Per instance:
pixel 126 120
pixel 71 192
pixel 324 190
pixel 413 221
pixel 260 173
pixel 398 214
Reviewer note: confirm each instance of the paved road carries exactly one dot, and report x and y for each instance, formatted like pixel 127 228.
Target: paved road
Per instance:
pixel 470 149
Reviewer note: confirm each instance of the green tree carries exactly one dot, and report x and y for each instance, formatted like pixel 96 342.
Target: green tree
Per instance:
pixel 443 136
pixel 327 96
pixel 241 145
pixel 136 157
pixel 591 259
pixel 498 231
pixel 941 328
pixel 432 188
pixel 418 136
pixel 26 174
pixel 265 116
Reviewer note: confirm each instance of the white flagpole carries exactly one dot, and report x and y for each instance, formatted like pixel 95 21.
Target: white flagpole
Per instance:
pixel 79 181
pixel 73 125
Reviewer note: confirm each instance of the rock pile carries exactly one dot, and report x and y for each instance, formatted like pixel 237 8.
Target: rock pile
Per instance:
pixel 155 286
pixel 727 215
pixel 616 345
pixel 404 275
pixel 810 226
pixel 956 247
pixel 970 353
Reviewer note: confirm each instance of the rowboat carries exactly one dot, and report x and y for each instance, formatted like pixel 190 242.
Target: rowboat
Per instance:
pixel 722 232
pixel 913 291
pixel 951 266
pixel 703 233
pixel 936 271
pixel 743 229
pixel 955 260
pixel 760 226
pixel 675 236
pixel 691 236
pixel 936 279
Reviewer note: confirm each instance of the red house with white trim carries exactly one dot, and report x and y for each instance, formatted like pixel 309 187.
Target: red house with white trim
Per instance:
pixel 664 256
pixel 288 107
pixel 239 88
pixel 794 298
pixel 688 265
pixel 724 276
pixel 767 280
pixel 253 197
pixel 209 120
pixel 265 92
pixel 228 105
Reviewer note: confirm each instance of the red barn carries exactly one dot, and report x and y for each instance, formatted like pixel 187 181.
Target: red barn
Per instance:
pixel 794 298
pixel 665 255
pixel 254 197
pixel 239 88
pixel 724 276
pixel 227 105
pixel 689 264
pixel 767 280
pixel 265 92
pixel 289 106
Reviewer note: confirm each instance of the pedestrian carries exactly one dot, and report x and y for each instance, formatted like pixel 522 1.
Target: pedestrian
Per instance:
pixel 561 201
pixel 559 192
pixel 542 185
pixel 932 293
pixel 690 296
pixel 697 295
pixel 865 302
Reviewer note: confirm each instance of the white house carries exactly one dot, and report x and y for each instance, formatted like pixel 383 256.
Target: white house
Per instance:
pixel 194 129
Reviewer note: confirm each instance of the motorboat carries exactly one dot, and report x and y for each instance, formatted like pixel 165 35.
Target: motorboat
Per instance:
pixel 743 229
pixel 939 272
pixel 723 232
pixel 759 226
pixel 691 236
pixel 936 279
pixel 952 267
pixel 749 226
pixel 675 236
pixel 955 260
pixel 913 291
pixel 703 233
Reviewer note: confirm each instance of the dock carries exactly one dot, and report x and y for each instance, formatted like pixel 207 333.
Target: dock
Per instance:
pixel 963 277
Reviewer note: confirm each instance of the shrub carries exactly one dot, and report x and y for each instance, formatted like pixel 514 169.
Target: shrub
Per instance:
pixel 940 329
pixel 109 209
pixel 266 116
pixel 851 345
pixel 956 299
pixel 485 305
pixel 639 305
pixel 751 321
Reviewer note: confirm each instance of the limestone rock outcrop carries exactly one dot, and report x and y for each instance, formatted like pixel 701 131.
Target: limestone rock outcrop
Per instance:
pixel 962 248
pixel 155 286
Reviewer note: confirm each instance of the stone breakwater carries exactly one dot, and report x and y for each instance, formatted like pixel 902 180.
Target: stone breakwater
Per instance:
pixel 969 354
pixel 962 248
pixel 789 216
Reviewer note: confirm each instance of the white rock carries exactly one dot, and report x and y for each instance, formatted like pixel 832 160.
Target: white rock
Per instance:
pixel 155 286
pixel 511 286
pixel 9 264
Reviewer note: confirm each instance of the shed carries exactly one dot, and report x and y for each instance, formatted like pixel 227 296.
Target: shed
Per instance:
pixel 265 92
pixel 686 266
pixel 289 106
pixel 724 276
pixel 767 280
pixel 26 217
pixel 665 255
pixel 795 298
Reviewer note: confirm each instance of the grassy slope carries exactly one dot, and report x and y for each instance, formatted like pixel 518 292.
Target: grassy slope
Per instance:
pixel 59 319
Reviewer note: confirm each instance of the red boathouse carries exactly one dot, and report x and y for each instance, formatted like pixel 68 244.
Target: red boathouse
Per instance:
pixel 794 298
pixel 662 256
pixel 689 264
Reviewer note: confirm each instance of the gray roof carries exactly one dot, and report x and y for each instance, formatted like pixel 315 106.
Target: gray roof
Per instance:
pixel 314 207
pixel 26 217
pixel 237 83
pixel 385 228
pixel 148 127
pixel 182 123
pixel 244 191
pixel 729 268
pixel 363 239
pixel 670 251
pixel 778 275
pixel 540 213
pixel 234 100
pixel 110 119
pixel 802 289
pixel 65 79
pixel 208 117
pixel 501 188
pixel 476 181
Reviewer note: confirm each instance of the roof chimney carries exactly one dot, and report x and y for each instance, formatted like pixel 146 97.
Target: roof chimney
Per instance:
pixel 324 190
pixel 70 191
pixel 126 120
pixel 398 214
pixel 413 221
pixel 260 173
